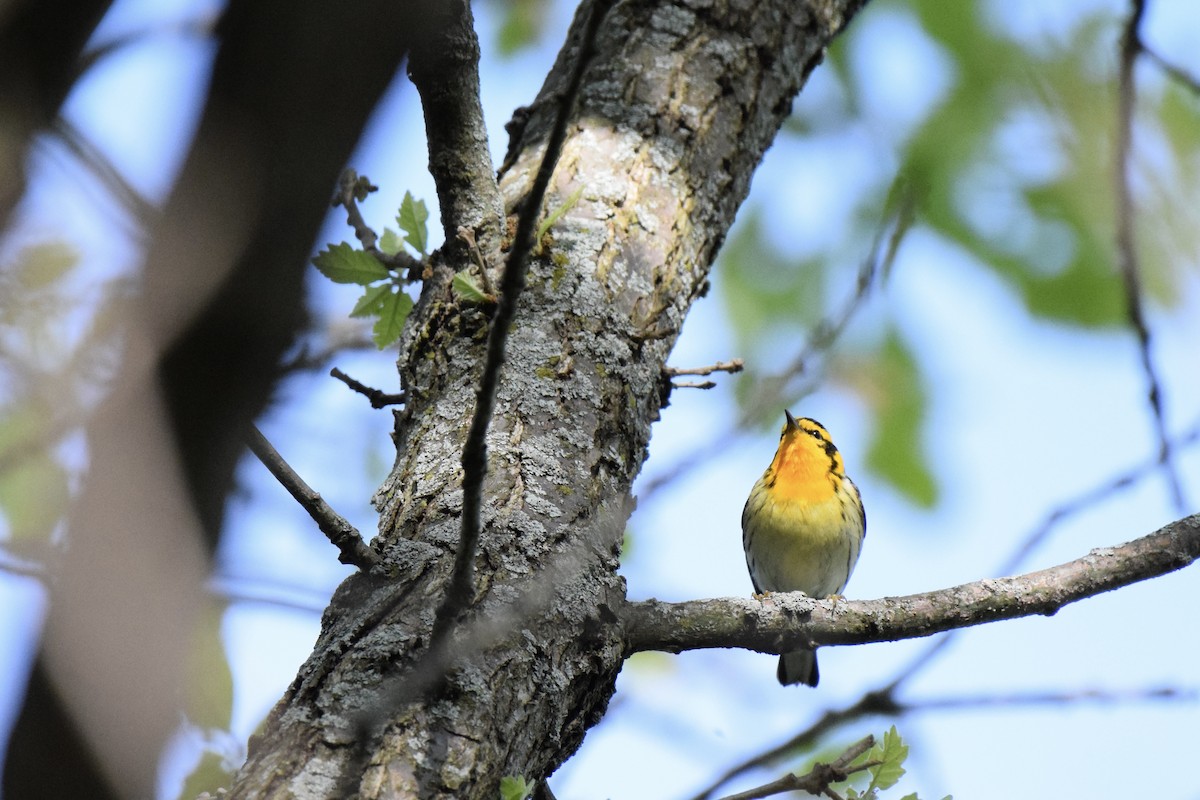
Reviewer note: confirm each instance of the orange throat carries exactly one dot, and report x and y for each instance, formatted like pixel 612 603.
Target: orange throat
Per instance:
pixel 802 472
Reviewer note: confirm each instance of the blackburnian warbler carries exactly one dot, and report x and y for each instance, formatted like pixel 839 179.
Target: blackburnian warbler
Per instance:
pixel 802 527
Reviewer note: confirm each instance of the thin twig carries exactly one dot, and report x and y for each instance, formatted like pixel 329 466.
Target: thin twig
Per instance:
pixel 460 590
pixel 468 237
pixel 770 394
pixel 735 365
pixel 101 166
pixel 378 397
pixel 1177 73
pixel 1050 698
pixel 344 536
pixel 694 385
pixel 1090 498
pixel 12 564
pixel 871 703
pixel 352 189
pixel 819 779
pixel 1127 261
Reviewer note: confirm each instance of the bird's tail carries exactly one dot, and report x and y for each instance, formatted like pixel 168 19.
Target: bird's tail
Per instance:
pixel 798 666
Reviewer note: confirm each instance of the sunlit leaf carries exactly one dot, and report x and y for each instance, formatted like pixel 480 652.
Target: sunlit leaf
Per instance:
pixel 515 788
pixel 372 303
pixel 342 263
pixel 393 311
pixel 413 221
pixel 466 287
pixel 390 242
pixel 892 753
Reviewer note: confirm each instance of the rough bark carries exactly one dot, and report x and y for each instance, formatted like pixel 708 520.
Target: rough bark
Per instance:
pixel 677 108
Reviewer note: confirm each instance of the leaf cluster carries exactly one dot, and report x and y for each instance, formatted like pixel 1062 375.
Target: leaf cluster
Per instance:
pixel 384 298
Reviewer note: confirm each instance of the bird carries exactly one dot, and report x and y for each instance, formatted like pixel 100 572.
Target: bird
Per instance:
pixel 803 527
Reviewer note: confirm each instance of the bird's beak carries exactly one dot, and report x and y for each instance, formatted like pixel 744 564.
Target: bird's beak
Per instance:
pixel 791 421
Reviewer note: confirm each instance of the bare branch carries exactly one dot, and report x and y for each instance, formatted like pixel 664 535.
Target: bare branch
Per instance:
pixel 1051 698
pixel 378 397
pixel 1127 260
pixel 444 67
pixel 870 704
pixel 461 588
pixel 736 365
pixel 785 621
pixel 819 779
pixel 1178 74
pixel 344 536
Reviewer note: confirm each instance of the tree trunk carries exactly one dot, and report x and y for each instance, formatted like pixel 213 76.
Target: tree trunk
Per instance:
pixel 676 110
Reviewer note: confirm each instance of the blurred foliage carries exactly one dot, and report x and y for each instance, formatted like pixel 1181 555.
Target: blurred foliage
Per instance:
pixel 212 773
pixel 888 380
pixel 210 680
pixel 57 341
pixel 522 23
pixel 33 485
pixel 1010 162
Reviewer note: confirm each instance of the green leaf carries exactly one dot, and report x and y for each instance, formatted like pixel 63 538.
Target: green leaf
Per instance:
pixel 515 788
pixel 465 287
pixel 373 300
pixel 390 243
pixel 393 312
pixel 342 263
pixel 556 214
pixel 892 754
pixel 412 220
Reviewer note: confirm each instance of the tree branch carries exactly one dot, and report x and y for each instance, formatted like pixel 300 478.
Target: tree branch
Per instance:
pixel 378 397
pixel 461 587
pixel 1127 260
pixel 785 621
pixel 444 66
pixel 349 542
